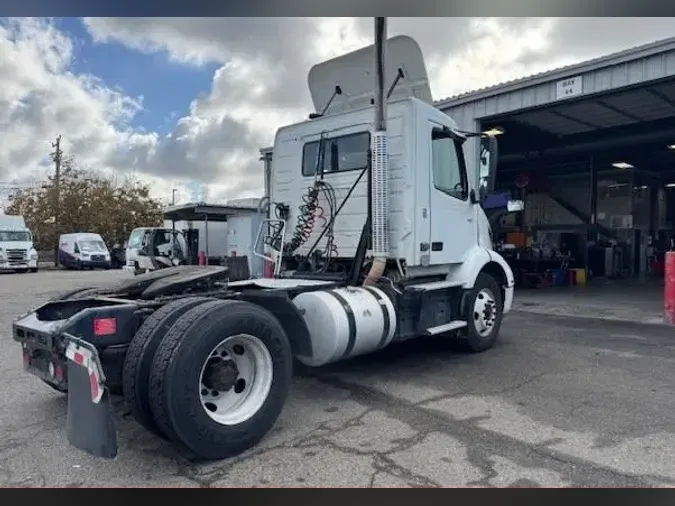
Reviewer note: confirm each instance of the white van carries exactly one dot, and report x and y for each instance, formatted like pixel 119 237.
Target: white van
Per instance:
pixel 83 251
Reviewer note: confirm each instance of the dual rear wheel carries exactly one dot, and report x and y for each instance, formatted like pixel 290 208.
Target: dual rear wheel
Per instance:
pixel 210 374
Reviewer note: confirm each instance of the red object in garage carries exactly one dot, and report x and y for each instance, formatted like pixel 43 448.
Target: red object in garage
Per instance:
pixel 669 290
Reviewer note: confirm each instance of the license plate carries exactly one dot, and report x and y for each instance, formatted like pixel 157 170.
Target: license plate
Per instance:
pixel 86 358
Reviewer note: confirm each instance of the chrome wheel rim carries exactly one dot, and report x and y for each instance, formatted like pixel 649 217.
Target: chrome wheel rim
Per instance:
pixel 484 312
pixel 236 379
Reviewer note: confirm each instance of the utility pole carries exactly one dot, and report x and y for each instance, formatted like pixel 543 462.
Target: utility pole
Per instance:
pixel 57 156
pixel 173 196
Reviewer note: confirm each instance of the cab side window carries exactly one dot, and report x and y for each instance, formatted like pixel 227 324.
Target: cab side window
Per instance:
pixel 340 154
pixel 447 166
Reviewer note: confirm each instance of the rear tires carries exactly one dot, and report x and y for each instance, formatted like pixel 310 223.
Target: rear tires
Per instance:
pixel 138 360
pixel 220 378
pixel 483 307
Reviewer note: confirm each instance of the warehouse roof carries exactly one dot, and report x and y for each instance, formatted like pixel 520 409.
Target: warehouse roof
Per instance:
pixel 627 55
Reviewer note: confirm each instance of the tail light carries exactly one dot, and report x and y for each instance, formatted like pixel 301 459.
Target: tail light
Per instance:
pixel 105 327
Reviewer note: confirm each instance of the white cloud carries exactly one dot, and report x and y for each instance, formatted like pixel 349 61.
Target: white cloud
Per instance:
pixel 260 84
pixel 40 99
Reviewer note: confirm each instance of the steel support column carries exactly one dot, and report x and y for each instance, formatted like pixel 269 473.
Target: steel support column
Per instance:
pixel 593 204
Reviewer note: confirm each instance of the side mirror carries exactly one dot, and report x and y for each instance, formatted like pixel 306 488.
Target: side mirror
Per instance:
pixel 488 165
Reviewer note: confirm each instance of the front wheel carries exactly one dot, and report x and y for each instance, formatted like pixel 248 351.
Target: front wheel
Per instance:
pixel 220 378
pixel 483 307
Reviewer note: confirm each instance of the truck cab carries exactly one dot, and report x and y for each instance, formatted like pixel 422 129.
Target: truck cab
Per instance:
pixel 436 223
pixel 17 252
pixel 152 248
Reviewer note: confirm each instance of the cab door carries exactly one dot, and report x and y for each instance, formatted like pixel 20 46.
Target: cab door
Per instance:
pixel 453 229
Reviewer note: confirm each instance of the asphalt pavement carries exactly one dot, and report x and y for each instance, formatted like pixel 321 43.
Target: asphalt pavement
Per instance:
pixel 558 402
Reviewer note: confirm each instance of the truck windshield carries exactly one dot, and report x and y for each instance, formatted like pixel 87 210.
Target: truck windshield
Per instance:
pixel 136 239
pixel 91 245
pixel 15 235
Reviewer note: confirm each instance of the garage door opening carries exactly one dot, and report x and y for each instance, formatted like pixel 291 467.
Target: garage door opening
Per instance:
pixel 598 179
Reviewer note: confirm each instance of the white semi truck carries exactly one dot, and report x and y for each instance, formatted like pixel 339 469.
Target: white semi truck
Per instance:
pixel 17 252
pixel 377 235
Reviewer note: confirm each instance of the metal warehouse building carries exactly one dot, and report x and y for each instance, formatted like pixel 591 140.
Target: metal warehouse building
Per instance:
pixel 590 148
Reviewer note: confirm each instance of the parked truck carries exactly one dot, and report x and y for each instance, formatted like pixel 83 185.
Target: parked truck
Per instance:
pixel 174 244
pixel 376 233
pixel 17 252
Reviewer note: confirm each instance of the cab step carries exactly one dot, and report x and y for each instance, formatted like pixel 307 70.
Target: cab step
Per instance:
pixel 446 327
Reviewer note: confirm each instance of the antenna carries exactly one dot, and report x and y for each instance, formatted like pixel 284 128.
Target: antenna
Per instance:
pixel 338 91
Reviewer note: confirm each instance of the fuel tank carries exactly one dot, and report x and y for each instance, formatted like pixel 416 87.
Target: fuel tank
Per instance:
pixel 346 322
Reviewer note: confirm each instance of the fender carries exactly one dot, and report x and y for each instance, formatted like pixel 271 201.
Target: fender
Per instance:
pixel 508 273
pixel 474 262
pixel 481 259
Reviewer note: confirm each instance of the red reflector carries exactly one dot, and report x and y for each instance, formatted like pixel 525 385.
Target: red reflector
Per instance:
pixel 105 326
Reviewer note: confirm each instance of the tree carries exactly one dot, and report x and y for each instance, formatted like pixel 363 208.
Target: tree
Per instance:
pixel 87 202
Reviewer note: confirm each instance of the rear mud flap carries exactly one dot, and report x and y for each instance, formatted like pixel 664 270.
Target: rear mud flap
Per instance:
pixel 91 417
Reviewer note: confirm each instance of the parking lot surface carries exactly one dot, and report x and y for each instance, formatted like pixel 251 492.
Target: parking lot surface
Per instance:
pixel 558 402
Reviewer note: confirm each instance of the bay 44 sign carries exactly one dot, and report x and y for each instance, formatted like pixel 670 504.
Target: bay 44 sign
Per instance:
pixel 568 88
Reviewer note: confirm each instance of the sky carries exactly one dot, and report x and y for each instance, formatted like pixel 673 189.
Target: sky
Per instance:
pixel 187 103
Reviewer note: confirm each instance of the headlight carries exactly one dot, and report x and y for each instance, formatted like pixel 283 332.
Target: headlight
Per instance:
pixel 33 255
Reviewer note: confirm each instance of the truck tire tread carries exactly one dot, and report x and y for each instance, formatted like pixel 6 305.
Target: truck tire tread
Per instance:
pixel 179 355
pixel 139 356
pixel 161 361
